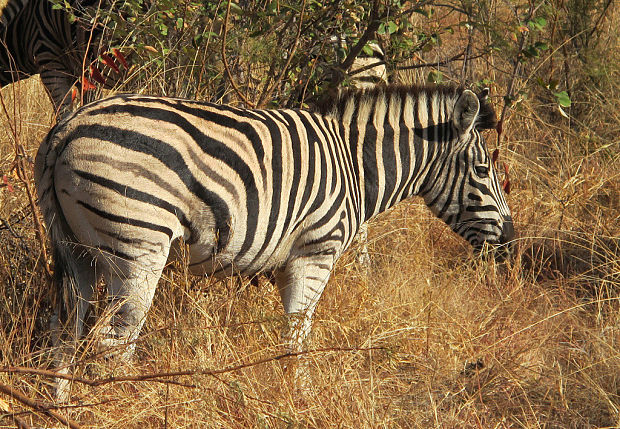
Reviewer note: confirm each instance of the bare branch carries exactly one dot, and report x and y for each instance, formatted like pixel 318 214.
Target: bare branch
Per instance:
pixel 456 57
pixel 35 405
pixel 291 53
pixel 513 78
pixel 162 377
pixel 225 61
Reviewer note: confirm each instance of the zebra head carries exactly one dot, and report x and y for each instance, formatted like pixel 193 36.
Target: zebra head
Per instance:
pixel 465 192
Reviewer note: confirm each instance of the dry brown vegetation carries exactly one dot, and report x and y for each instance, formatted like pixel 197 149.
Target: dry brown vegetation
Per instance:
pixel 429 336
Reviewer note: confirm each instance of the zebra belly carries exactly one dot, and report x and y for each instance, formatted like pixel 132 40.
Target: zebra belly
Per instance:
pixel 204 259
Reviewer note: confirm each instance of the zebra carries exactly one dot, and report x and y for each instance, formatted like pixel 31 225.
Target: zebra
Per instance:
pixel 369 70
pixel 122 179
pixel 37 38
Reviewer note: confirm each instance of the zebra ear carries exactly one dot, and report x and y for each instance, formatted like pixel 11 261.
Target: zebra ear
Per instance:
pixel 466 111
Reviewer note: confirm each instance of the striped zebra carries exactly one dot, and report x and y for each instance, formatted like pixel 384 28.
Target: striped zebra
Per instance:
pixel 369 70
pixel 120 180
pixel 35 39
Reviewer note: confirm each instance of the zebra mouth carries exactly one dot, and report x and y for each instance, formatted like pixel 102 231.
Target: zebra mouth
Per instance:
pixel 498 251
pixel 497 243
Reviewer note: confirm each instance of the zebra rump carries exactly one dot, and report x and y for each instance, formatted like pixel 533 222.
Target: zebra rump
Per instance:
pixel 122 179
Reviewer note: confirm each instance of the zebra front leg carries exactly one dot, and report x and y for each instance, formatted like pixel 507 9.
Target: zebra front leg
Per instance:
pixel 77 278
pixel 301 283
pixel 363 257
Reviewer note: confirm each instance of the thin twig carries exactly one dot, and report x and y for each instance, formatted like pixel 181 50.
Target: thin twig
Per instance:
pixel 88 46
pixel 456 57
pixel 513 78
pixel 159 377
pixel 225 61
pixel 13 415
pixel 267 94
pixel 374 21
pixel 35 405
pixel 600 18
pixel 20 165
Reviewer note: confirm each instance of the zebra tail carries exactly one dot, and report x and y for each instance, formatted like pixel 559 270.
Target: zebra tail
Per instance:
pixel 64 286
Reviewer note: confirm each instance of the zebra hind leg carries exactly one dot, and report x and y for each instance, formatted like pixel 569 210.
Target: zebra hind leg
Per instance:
pixel 131 288
pixel 76 280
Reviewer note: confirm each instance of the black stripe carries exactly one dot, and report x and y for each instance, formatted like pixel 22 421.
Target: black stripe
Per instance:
pixel 404 149
pixel 127 220
pixel 473 197
pixel 480 186
pixel 213 148
pixel 127 240
pixel 224 120
pixel 487 208
pixel 371 169
pixel 312 140
pixel 296 151
pixel 450 169
pixel 117 253
pixel 389 161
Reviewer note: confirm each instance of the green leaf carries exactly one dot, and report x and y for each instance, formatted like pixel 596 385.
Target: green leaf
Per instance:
pixel 530 52
pixel 537 23
pixel 540 22
pixel 392 27
pixel 562 98
pixel 435 76
pixel 234 8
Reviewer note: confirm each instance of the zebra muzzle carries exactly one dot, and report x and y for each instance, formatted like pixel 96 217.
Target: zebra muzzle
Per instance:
pixel 501 249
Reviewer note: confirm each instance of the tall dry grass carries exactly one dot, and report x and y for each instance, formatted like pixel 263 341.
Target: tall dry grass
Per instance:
pixel 436 338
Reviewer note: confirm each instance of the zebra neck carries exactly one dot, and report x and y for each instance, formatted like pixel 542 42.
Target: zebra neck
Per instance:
pixel 396 139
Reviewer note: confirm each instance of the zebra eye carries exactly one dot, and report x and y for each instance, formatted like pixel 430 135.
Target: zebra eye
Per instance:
pixel 481 171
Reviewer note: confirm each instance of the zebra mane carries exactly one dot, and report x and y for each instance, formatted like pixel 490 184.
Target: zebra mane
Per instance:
pixel 334 105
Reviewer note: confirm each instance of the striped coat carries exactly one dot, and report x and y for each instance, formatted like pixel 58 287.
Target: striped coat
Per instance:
pixel 251 190
pixel 36 38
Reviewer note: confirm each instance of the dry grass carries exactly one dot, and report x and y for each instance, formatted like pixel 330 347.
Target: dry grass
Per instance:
pixel 534 343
